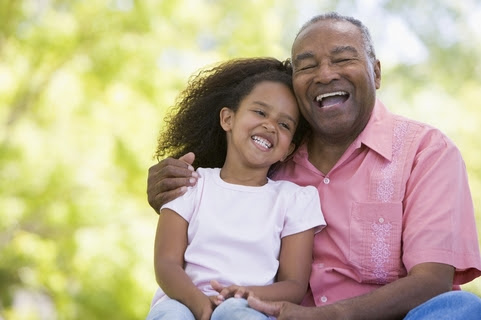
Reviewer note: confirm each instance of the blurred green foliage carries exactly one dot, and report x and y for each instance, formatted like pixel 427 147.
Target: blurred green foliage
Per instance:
pixel 83 89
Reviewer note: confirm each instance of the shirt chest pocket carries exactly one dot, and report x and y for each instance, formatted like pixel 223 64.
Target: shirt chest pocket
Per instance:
pixel 375 241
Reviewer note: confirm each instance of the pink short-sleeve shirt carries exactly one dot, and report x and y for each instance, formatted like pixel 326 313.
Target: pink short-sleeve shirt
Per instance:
pixel 399 196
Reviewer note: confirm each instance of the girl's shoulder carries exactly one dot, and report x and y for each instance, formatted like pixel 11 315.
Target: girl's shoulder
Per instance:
pixel 288 187
pixel 206 173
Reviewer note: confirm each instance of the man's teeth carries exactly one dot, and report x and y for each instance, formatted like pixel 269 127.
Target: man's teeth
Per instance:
pixel 330 94
pixel 262 142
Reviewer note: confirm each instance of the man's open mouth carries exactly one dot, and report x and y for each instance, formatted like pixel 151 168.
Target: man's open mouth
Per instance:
pixel 332 98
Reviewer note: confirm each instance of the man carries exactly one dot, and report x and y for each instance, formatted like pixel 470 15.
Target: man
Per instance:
pixel 400 218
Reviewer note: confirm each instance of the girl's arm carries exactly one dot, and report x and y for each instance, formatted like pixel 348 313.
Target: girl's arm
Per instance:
pixel 170 246
pixel 292 277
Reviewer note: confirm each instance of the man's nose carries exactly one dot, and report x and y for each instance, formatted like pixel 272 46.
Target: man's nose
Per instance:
pixel 326 72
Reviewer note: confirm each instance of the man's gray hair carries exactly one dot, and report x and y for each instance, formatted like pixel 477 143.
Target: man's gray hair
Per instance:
pixel 366 36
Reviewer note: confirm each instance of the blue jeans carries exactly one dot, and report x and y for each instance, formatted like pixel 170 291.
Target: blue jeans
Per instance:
pixel 236 309
pixel 170 310
pixel 451 305
pixel 231 309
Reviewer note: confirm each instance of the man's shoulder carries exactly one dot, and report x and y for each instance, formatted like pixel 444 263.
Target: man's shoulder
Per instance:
pixel 386 115
pixel 422 132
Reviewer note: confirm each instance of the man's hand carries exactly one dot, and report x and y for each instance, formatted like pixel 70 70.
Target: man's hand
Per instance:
pixel 286 310
pixel 169 179
pixel 269 308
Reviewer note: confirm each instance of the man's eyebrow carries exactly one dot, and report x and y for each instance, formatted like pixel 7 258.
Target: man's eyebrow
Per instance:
pixel 336 50
pixel 341 49
pixel 303 56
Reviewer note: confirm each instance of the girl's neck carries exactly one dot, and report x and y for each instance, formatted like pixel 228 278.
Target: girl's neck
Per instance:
pixel 244 176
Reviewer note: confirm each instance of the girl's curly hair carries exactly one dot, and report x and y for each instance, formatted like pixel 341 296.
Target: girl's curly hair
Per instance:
pixel 193 122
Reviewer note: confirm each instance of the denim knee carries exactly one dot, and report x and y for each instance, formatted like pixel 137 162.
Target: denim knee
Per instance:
pixel 236 309
pixel 170 310
pixel 461 305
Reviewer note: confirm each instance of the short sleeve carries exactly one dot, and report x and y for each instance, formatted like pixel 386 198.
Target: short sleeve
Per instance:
pixel 303 211
pixel 185 204
pixel 439 215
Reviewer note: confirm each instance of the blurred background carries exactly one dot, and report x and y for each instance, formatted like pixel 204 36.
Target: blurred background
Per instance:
pixel 83 89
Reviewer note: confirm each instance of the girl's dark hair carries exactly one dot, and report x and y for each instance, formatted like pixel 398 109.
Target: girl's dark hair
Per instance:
pixel 193 123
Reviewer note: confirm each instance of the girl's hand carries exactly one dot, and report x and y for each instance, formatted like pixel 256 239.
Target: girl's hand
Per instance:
pixel 215 300
pixel 202 308
pixel 229 292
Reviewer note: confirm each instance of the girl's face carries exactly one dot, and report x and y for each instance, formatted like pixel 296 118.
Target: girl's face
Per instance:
pixel 260 132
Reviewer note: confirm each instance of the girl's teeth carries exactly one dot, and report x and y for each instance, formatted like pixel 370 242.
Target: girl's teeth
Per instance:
pixel 262 142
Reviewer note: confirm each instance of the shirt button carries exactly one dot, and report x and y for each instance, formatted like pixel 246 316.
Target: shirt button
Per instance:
pixel 326 180
pixel 323 299
pixel 381 220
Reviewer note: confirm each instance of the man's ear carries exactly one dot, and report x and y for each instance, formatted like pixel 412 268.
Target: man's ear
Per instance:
pixel 226 116
pixel 289 152
pixel 377 74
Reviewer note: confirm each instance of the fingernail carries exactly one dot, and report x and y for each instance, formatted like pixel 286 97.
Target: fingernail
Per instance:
pixel 191 168
pixel 191 180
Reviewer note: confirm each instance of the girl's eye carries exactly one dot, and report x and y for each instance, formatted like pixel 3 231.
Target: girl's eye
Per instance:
pixel 285 125
pixel 260 112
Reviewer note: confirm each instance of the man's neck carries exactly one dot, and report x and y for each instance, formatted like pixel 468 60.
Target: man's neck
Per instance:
pixel 324 155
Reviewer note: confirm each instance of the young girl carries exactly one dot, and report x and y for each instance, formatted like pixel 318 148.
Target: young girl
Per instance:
pixel 236 232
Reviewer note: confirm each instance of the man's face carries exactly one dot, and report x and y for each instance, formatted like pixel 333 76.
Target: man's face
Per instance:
pixel 334 80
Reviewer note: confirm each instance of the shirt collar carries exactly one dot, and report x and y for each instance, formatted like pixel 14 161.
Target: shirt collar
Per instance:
pixel 377 135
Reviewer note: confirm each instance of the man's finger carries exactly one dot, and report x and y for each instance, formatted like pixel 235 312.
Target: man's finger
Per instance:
pixel 171 168
pixel 270 308
pixel 188 158
pixel 169 179
pixel 170 184
pixel 162 198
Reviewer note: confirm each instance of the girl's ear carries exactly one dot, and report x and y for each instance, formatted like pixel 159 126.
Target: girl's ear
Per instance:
pixel 292 146
pixel 226 116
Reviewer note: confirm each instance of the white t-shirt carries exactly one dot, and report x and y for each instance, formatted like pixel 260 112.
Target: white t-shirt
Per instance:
pixel 235 231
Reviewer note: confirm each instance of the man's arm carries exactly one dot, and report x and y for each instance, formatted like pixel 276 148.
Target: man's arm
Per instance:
pixel 169 179
pixel 392 301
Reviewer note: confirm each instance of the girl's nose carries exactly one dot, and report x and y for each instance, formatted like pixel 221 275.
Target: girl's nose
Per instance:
pixel 269 126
